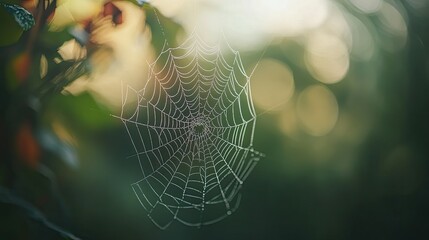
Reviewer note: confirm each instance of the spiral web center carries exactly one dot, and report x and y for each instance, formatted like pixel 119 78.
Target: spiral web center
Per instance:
pixel 199 128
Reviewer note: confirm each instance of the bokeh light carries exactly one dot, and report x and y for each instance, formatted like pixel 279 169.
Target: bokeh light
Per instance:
pixel 317 110
pixel 394 28
pixel 288 121
pixel 272 84
pixel 367 6
pixel 327 57
pixel 363 45
pixel 288 18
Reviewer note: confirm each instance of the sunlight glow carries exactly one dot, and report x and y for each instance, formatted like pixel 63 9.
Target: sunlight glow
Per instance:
pixel 395 27
pixel 272 84
pixel 367 6
pixel 70 11
pixel 288 122
pixel 125 63
pixel 72 50
pixel 249 23
pixel 317 110
pixel 327 58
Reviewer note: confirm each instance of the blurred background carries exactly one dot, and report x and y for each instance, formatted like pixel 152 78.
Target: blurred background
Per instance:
pixel 340 90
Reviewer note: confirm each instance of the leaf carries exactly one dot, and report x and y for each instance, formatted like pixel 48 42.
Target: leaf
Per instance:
pixel 18 69
pixel 43 66
pixel 142 2
pixel 27 147
pixel 22 16
pixel 10 30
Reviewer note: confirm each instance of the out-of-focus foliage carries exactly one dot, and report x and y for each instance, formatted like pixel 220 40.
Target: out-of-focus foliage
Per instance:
pixel 14 31
pixel 16 19
pixel 340 89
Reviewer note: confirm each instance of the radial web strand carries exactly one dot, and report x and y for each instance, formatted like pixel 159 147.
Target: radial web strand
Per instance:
pixel 192 132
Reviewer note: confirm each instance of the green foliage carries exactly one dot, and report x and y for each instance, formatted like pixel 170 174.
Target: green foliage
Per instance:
pixel 11 30
pixel 81 112
pixel 10 1
pixel 22 16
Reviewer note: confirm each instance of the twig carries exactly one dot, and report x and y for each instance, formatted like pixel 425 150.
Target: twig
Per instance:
pixel 9 198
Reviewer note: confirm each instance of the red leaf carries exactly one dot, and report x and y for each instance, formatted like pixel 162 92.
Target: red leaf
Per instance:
pixel 21 66
pixel 27 146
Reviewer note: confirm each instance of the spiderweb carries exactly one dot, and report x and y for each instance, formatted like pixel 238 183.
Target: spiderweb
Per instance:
pixel 192 132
